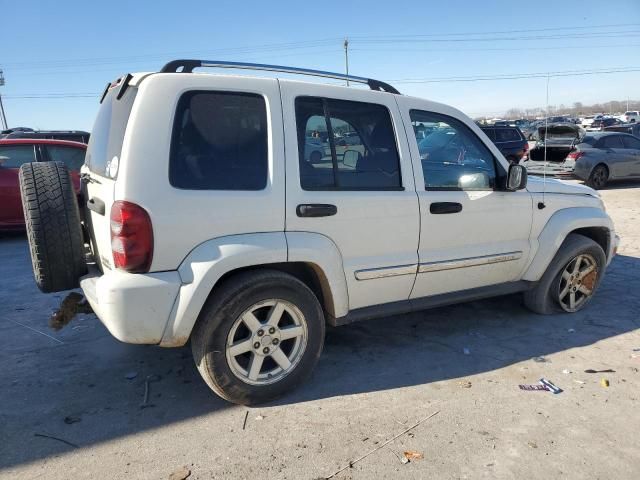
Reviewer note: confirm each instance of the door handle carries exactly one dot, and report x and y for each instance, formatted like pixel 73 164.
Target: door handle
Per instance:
pixel 439 208
pixel 96 205
pixel 316 210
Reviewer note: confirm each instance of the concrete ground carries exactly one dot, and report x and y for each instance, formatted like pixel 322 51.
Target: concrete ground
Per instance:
pixel 374 381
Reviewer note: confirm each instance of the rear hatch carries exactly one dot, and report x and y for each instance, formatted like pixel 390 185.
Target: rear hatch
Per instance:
pixel 100 171
pixel 558 140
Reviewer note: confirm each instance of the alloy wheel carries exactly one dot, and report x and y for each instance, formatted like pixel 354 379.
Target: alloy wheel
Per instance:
pixel 577 283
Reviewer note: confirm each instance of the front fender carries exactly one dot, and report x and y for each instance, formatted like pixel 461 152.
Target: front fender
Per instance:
pixel 556 230
pixel 206 264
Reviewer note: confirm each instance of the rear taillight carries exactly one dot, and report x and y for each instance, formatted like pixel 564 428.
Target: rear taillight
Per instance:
pixel 575 156
pixel 131 237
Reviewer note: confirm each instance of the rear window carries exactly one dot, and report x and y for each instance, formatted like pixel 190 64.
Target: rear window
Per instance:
pixel 108 130
pixel 219 142
pixel 12 156
pixel 507 135
pixel 72 157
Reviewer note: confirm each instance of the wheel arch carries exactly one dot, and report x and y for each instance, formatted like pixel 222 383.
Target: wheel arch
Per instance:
pixel 590 222
pixel 311 258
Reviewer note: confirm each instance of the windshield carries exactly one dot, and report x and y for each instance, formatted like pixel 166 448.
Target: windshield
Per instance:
pixel 108 130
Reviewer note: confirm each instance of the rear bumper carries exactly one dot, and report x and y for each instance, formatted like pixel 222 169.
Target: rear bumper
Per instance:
pixel 135 308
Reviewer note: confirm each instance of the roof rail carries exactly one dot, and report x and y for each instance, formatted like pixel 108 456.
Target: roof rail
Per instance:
pixel 187 66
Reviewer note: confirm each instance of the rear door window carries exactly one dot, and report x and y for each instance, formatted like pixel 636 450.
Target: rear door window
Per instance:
pixel 491 133
pixel 630 142
pixel 72 157
pixel 12 156
pixel 219 142
pixel 613 141
pixel 359 151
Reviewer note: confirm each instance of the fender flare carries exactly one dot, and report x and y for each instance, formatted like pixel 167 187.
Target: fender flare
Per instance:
pixel 559 225
pixel 201 270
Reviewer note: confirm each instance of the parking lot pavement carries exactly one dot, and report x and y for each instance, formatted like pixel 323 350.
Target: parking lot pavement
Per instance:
pixel 70 402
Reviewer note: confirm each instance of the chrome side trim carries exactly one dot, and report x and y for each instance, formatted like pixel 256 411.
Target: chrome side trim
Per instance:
pixel 468 262
pixel 394 271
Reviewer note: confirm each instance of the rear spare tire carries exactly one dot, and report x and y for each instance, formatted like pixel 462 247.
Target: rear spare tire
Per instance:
pixel 53 226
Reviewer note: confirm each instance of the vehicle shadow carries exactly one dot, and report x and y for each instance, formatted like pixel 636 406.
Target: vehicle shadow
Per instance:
pixel 82 386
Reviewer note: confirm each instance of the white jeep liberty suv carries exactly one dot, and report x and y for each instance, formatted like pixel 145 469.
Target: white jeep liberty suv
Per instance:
pixel 242 213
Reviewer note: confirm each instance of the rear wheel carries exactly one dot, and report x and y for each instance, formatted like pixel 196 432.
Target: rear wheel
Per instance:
pixel 53 226
pixel 259 336
pixel 599 177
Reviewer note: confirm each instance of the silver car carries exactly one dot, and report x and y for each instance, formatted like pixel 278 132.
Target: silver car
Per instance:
pixel 601 157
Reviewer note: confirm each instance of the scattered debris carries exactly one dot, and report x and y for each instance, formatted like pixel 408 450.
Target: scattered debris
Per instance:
pixel 43 435
pixel 72 304
pixel 259 417
pixel 384 444
pixel 131 375
pixel 534 387
pixel 566 371
pixel 401 460
pixel 180 474
pixel 145 401
pixel 464 384
pixel 246 415
pixel 635 349
pixel 604 383
pixel 608 370
pixel 580 382
pixel 466 351
pixel 550 386
pixel 540 360
pixel 532 444
pixel 412 455
pixel 71 419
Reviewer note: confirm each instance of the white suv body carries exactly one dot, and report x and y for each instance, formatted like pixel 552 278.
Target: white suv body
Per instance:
pixel 370 252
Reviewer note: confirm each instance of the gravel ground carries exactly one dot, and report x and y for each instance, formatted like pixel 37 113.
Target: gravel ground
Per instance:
pixel 375 380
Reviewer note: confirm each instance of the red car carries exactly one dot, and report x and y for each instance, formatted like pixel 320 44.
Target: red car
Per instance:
pixel 14 153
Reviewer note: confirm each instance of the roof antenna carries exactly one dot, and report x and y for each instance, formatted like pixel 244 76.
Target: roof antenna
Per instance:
pixel 541 204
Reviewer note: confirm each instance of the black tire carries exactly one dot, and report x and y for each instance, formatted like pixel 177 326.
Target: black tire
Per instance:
pixel 53 226
pixel 543 298
pixel 225 305
pixel 599 177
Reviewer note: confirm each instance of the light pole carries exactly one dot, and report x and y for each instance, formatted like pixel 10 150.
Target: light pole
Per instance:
pixel 3 117
pixel 346 57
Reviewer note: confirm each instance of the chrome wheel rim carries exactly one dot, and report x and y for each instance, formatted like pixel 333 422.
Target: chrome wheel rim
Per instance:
pixel 577 283
pixel 266 342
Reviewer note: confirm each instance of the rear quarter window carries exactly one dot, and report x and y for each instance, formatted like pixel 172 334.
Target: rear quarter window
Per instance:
pixel 219 142
pixel 108 131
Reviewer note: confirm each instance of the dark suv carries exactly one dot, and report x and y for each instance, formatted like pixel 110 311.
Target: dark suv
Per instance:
pixel 509 140
pixel 69 135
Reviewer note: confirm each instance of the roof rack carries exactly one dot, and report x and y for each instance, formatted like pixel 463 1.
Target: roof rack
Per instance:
pixel 187 66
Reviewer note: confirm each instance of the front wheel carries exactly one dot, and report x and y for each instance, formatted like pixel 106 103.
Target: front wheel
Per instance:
pixel 259 336
pixel 571 278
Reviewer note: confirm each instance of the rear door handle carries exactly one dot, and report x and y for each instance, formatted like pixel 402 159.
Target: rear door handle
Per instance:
pixel 316 210
pixel 439 208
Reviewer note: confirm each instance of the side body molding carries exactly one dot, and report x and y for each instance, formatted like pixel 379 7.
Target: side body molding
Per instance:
pixel 323 254
pixel 556 230
pixel 204 266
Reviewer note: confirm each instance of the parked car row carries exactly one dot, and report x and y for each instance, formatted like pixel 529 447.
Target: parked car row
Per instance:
pixel 15 152
pixel 24 132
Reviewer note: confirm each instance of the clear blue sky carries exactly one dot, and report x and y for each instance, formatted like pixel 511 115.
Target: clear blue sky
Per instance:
pixel 75 47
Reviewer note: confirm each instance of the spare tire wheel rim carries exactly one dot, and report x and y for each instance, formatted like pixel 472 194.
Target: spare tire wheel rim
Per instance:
pixel 577 282
pixel 266 342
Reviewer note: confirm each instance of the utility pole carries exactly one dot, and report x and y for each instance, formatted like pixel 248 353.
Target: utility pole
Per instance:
pixel 3 117
pixel 346 57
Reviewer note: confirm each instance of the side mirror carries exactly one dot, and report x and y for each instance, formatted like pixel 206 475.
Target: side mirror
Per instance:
pixel 516 178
